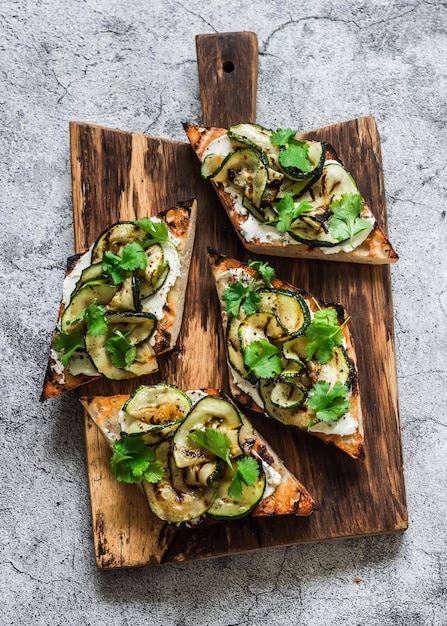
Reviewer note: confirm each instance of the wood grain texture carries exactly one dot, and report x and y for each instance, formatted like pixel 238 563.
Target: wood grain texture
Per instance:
pixel 120 175
pixel 355 498
pixel 228 74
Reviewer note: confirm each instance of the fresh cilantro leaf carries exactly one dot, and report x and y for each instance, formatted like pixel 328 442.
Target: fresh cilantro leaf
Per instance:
pixel 133 257
pixel 122 352
pixel 233 296
pixel 323 334
pixel 288 211
pixel 235 488
pixel 329 403
pixel 133 460
pixel 248 470
pixel 282 137
pixel 112 265
pixel 154 472
pixel 251 302
pixel 96 319
pixel 68 343
pixel 214 441
pixel 296 155
pixel 237 295
pixel 262 358
pixel 156 231
pixel 94 316
pixel 346 222
pixel 264 269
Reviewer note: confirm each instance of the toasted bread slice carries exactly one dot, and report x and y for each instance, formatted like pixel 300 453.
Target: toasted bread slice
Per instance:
pixel 345 433
pixel 266 239
pixel 285 496
pixel 167 303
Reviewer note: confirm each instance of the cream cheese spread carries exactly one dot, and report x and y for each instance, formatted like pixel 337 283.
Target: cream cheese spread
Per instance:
pixel 272 479
pixel 72 278
pixel 346 425
pixel 155 303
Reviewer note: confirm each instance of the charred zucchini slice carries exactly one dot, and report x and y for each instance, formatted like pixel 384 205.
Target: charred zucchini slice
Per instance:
pixel 272 186
pixel 296 188
pixel 137 328
pixel 287 393
pixel 313 228
pixel 234 351
pixel 258 138
pixel 313 232
pixel 261 325
pixel 156 272
pixel 96 347
pixel 145 360
pixel 290 309
pixel 338 369
pixel 295 349
pixel 204 474
pixel 92 291
pixel 226 507
pixel 127 297
pixel 258 213
pixel 300 416
pixel 245 169
pixel 115 237
pixel 211 165
pixel 81 363
pixel 209 412
pixel 157 404
pixel 92 272
pixel 171 498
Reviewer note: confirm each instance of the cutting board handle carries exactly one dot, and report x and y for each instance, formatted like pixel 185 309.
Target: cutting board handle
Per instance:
pixel 228 76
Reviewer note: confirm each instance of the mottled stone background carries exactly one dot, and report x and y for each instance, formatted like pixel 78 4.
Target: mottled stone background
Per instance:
pixel 132 65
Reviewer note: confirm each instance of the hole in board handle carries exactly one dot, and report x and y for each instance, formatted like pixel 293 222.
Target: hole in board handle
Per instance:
pixel 228 66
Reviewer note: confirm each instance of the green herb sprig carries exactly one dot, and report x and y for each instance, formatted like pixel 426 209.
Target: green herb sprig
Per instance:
pixel 133 460
pixel 156 231
pixel 323 334
pixel 94 318
pixel 68 343
pixel 329 403
pixel 244 471
pixel 262 358
pixel 296 153
pixel 346 222
pixel 122 352
pixel 288 211
pixel 133 257
pixel 238 294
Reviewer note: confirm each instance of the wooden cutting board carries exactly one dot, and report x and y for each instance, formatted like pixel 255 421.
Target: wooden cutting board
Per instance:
pixel 119 175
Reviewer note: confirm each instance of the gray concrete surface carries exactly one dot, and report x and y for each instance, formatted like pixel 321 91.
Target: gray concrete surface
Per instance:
pixel 132 65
